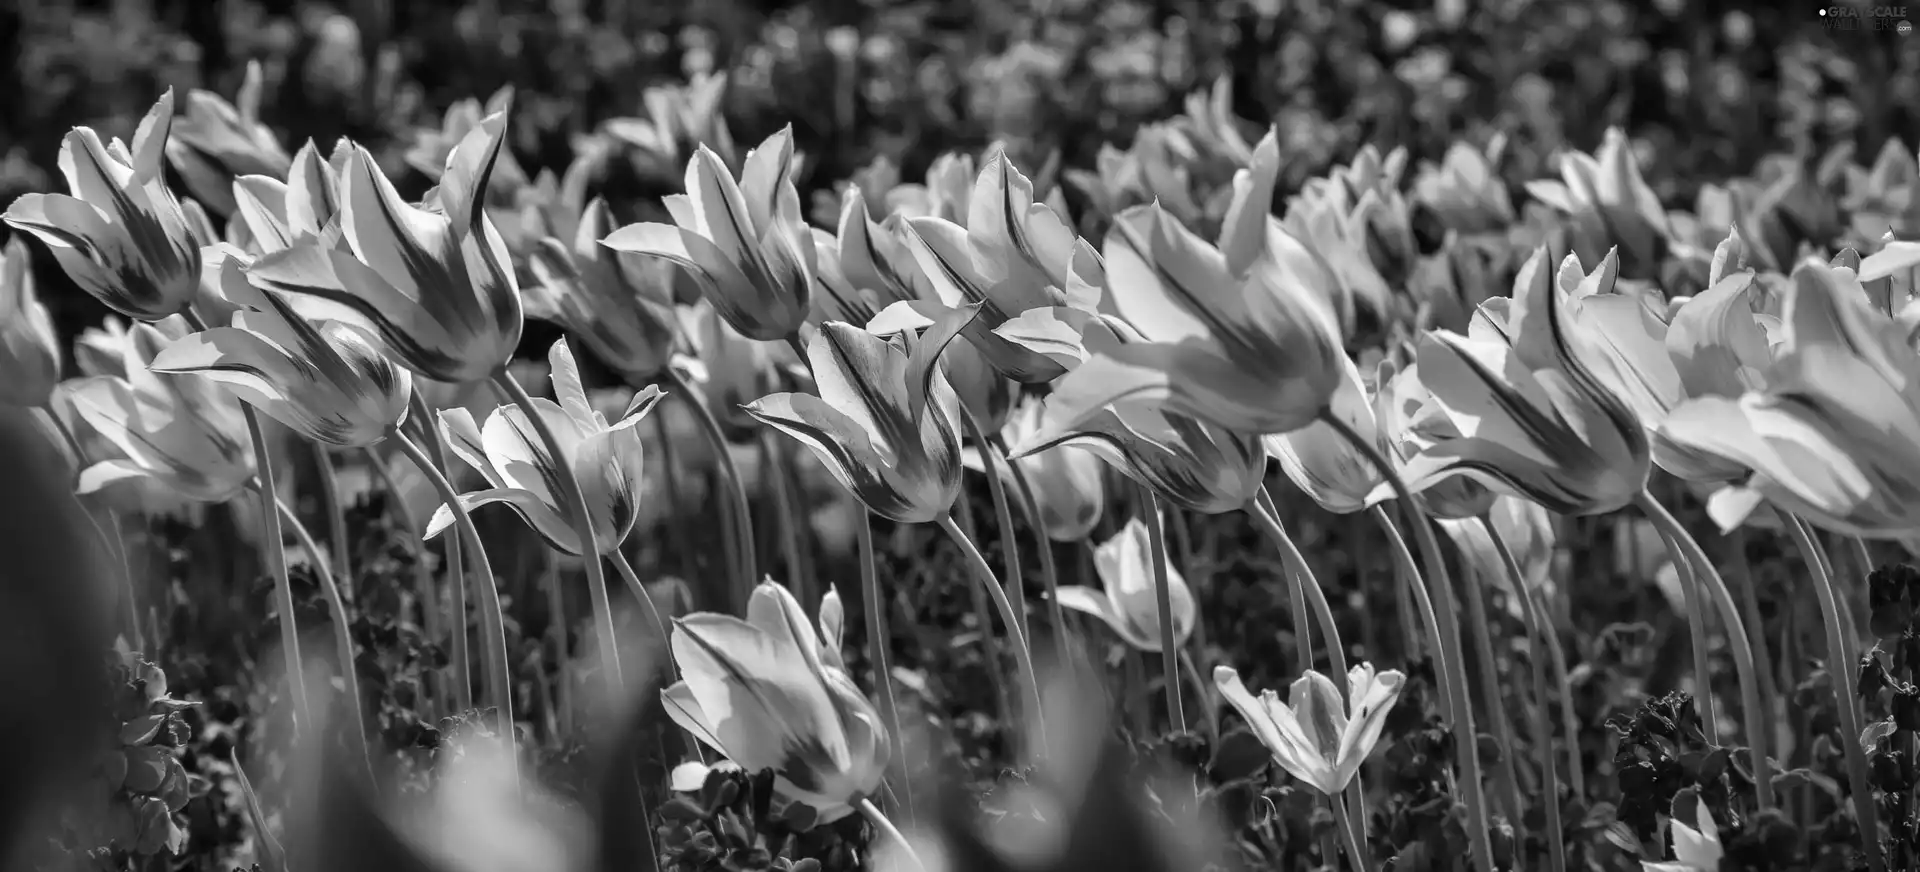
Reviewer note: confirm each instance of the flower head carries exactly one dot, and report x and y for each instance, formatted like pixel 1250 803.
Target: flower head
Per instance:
pixel 620 304
pixel 1127 599
pixel 1315 735
pixel 216 142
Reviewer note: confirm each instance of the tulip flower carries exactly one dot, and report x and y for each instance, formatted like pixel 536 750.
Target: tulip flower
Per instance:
pixel 764 693
pixel 329 381
pixel 617 303
pixel 1066 480
pixel 1193 464
pixel 1364 210
pixel 1834 436
pixel 1695 848
pixel 1610 205
pixel 902 463
pixel 1410 421
pixel 1315 736
pixel 1719 347
pixel 866 266
pixel 29 349
pixel 216 142
pixel 1321 462
pixel 745 242
pixel 121 235
pixel 1126 600
pixel 1464 191
pixel 1245 335
pixel 1535 419
pixel 303 210
pixel 435 286
pixel 607 459
pixel 432 150
pixel 679 119
pixel 730 369
pixel 947 193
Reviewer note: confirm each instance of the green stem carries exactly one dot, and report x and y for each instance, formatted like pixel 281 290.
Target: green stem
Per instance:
pixel 1761 651
pixel 1206 695
pixel 1009 546
pixel 1021 652
pixel 557 626
pixel 880 822
pixel 582 519
pixel 1569 721
pixel 1542 723
pixel 1840 675
pixel 632 579
pixel 745 561
pixel 1466 739
pixel 499 685
pixel 274 553
pixel 423 586
pixel 773 469
pixel 336 512
pixel 1481 630
pixel 461 656
pixel 1742 655
pixel 1410 572
pixel 878 644
pixel 342 634
pixel 1163 598
pixel 1049 566
pixel 1356 846
pixel 1691 586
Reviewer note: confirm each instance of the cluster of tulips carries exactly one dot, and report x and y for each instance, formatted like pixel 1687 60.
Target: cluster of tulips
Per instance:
pixel 1200 335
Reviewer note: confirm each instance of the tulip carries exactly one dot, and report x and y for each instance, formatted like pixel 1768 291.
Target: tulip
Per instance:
pixel 433 147
pixel 303 210
pixel 1410 421
pixel 1336 229
pixel 866 266
pixel 1245 335
pixel 607 460
pixel 1450 284
pixel 216 142
pixel 1322 463
pixel 1193 464
pixel 1369 214
pixel 1695 848
pixel 1464 191
pixel 763 693
pixel 329 381
pixel 679 119
pixel 29 349
pixel 1067 484
pixel 1719 347
pixel 1610 204
pixel 1535 419
pixel 1314 735
pixel 731 369
pixel 902 463
pixel 1126 599
pixel 947 193
pixel 744 242
pixel 436 287
pixel 121 235
pixel 617 303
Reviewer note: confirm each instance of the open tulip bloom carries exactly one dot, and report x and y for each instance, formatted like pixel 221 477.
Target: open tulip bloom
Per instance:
pixel 121 235
pixel 606 459
pixel 1315 735
pixel 1322 463
pixel 1126 599
pixel 29 349
pixel 620 304
pixel 1067 482
pixel 766 693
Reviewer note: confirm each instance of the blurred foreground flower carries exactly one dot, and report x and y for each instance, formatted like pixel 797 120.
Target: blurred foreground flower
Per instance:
pixel 216 142
pixel 765 693
pixel 121 236
pixel 1126 599
pixel 1315 736
pixel 29 348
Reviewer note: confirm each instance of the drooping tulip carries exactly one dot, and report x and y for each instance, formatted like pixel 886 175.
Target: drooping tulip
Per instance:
pixel 216 142
pixel 121 234
pixel 619 304
pixel 329 381
pixel 1127 600
pixel 606 458
pixel 29 349
pixel 863 425
pixel 744 241
pixel 1321 462
pixel 435 285
pixel 762 692
pixel 1315 735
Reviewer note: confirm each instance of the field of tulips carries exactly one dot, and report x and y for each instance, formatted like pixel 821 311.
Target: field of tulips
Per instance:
pixel 931 525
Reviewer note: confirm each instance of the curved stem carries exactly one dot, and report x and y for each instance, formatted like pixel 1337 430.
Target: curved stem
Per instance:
pixel 342 633
pixel 1761 651
pixel 423 586
pixel 997 489
pixel 462 654
pixel 879 641
pixel 774 470
pixel 1297 574
pixel 1840 675
pixel 1163 599
pixel 1466 739
pixel 744 563
pixel 1541 721
pixel 1742 655
pixel 582 520
pixel 632 579
pixel 1481 630
pixel 1049 567
pixel 1206 696
pixel 990 643
pixel 1557 660
pixel 1690 585
pixel 336 512
pixel 1410 573
pixel 880 822
pixel 1356 846
pixel 984 573
pixel 275 555
pixel 498 684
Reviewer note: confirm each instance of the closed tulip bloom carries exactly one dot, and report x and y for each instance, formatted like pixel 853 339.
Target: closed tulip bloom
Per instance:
pixel 862 426
pixel 1410 421
pixel 331 382
pixel 607 459
pixel 1127 599
pixel 1464 191
pixel 865 266
pixel 1315 735
pixel 436 286
pixel 29 349
pixel 1066 481
pixel 121 235
pixel 679 119
pixel 763 693
pixel 744 241
pixel 1535 420
pixel 302 210
pixel 619 304
pixel 1322 463
pixel 216 142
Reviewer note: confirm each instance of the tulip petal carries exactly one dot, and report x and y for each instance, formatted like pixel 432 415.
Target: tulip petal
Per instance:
pixel 926 354
pixel 1279 731
pixel 1371 699
pixel 529 506
pixel 767 707
pixel 685 712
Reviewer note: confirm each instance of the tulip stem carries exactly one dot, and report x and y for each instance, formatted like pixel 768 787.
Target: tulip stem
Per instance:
pixel 640 591
pixel 880 822
pixel 557 627
pixel 1840 673
pixel 990 460
pixel 275 555
pixel 1163 600
pixel 879 641
pixel 499 685
pixel 1356 847
pixel 743 545
pixel 991 584
pixel 342 633
pixel 1049 567
pixel 1691 552
pixel 1557 660
pixel 774 470
pixel 1691 585
pixel 1296 585
pixel 462 654
pixel 582 519
pixel 429 600
pixel 1542 722
pixel 336 512
pixel 1453 665
pixel 1410 573
pixel 1473 587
